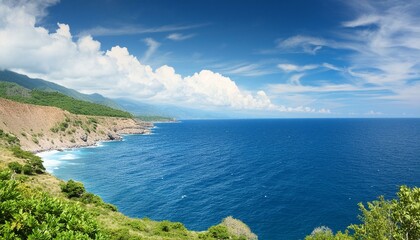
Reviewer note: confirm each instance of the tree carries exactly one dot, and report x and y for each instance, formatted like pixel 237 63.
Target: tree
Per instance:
pixel 73 189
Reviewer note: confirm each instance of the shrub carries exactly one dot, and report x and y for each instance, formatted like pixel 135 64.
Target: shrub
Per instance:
pixel 15 166
pixel 218 232
pixel 164 226
pixel 42 217
pixel 90 198
pixel 73 189
pixel 35 140
pixel 32 160
pixel 27 169
pixel 5 174
pixel 8 138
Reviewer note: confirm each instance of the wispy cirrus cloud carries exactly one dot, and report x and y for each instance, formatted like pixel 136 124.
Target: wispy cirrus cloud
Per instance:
pixel 179 36
pixel 135 30
pixel 380 48
pixel 309 44
pixel 249 70
pixel 152 47
pixel 287 67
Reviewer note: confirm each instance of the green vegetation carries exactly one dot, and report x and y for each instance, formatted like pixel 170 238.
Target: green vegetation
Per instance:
pixel 8 139
pixel 17 93
pixel 397 219
pixel 33 163
pixel 155 119
pixel 32 215
pixel 15 167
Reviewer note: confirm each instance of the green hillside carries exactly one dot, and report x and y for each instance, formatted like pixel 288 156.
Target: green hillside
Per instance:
pixel 18 93
pixel 40 84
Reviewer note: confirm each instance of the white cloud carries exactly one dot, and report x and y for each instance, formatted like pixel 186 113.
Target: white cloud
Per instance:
pixel 371 112
pixel 134 30
pixel 295 87
pixel 80 63
pixel 152 47
pixel 179 36
pixel 363 20
pixel 246 69
pixel 382 49
pixel 295 68
pixel 309 44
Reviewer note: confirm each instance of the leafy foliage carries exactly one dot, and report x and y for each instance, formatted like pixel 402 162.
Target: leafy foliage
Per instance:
pixel 73 189
pixel 56 99
pixel 31 215
pixel 76 191
pixel 397 219
pixel 33 162
pixel 15 166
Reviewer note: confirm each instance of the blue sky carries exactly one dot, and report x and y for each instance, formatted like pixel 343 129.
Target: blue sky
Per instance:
pixel 255 58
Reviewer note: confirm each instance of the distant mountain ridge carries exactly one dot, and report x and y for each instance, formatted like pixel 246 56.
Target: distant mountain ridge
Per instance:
pixel 166 110
pixel 137 108
pixel 40 84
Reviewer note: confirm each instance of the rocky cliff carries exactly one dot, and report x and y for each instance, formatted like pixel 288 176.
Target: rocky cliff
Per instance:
pixel 42 128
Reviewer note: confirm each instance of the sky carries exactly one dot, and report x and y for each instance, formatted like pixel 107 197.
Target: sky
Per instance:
pixel 319 58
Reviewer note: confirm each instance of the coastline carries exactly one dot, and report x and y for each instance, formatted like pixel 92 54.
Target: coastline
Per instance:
pixel 51 164
pixel 117 134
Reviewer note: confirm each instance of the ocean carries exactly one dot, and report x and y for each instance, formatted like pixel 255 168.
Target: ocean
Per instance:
pixel 282 177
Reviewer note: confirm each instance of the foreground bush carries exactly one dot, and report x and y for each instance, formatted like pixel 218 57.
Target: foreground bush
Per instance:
pixel 397 219
pixel 30 215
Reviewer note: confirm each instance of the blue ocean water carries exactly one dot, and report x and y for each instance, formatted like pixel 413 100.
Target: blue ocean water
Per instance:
pixel 282 177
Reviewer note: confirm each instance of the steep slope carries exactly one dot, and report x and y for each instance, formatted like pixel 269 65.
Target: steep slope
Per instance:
pixel 34 83
pixel 43 128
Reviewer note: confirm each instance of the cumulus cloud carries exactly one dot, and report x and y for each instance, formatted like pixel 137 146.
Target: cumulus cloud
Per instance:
pixel 79 63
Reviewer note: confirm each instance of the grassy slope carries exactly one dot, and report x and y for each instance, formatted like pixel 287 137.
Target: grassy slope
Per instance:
pixel 17 93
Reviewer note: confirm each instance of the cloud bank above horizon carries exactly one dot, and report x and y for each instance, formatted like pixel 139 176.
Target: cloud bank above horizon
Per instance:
pixel 80 63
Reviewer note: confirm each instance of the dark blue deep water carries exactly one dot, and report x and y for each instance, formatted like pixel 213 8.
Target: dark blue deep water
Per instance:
pixel 281 177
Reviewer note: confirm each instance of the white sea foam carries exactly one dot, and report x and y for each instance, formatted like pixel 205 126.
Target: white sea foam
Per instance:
pixel 54 159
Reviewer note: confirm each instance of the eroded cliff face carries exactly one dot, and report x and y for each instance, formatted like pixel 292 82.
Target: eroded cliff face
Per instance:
pixel 41 128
